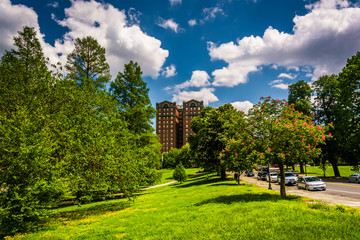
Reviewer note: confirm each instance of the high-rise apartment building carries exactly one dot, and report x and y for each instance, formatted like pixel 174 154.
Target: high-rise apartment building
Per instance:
pixel 173 122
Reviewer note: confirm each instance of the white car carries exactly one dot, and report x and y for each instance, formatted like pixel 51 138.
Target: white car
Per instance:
pixel 290 178
pixel 273 177
pixel 311 183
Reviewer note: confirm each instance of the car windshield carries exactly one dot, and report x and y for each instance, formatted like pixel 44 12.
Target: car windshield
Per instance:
pixel 289 175
pixel 312 179
pixel 273 174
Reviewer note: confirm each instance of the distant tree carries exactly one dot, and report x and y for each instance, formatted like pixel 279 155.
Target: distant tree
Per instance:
pixel 179 173
pixel 87 65
pixel 132 94
pixel 300 97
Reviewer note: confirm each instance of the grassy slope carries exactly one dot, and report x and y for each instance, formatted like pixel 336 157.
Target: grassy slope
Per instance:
pixel 345 171
pixel 167 174
pixel 201 209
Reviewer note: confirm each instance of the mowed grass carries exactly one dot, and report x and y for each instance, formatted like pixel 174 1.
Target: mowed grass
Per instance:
pixel 167 174
pixel 345 171
pixel 204 208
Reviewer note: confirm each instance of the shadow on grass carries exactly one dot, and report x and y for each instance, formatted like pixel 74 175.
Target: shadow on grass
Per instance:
pixel 197 181
pixel 82 213
pixel 247 197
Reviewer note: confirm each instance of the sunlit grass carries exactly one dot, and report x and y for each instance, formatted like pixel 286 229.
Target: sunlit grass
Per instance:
pixel 204 209
pixel 167 174
pixel 345 171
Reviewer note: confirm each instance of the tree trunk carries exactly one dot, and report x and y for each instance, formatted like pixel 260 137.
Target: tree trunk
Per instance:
pixel 336 169
pixel 301 168
pixel 223 174
pixel 282 180
pixel 293 167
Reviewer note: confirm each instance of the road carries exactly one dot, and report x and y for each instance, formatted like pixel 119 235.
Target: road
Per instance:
pixel 343 189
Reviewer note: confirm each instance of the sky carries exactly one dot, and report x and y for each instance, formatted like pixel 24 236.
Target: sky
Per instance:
pixel 218 51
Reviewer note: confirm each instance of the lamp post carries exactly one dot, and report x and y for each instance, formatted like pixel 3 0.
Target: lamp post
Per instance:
pixel 269 175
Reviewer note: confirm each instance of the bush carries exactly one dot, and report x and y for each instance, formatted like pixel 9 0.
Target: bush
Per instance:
pixel 179 173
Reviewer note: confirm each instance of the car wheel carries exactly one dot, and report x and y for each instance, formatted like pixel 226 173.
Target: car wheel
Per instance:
pixel 348 180
pixel 298 186
pixel 307 188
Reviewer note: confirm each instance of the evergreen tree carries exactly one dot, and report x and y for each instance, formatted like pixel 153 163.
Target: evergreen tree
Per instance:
pixel 179 173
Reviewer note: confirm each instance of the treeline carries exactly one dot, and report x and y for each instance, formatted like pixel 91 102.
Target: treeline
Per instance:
pixel 336 101
pixel 68 137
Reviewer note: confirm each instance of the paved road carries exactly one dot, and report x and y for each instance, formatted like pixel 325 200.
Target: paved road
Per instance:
pixel 343 189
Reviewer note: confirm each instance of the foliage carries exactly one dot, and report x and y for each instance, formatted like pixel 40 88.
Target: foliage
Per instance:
pixel 179 173
pixel 285 136
pixel 131 93
pixel 207 143
pixel 86 64
pixel 300 97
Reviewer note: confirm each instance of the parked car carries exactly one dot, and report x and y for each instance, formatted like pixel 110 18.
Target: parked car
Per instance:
pixel 355 177
pixel 249 173
pixel 260 174
pixel 290 178
pixel 296 173
pixel 310 183
pixel 263 176
pixel 273 176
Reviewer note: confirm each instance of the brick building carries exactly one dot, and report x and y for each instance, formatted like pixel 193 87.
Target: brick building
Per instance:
pixel 173 122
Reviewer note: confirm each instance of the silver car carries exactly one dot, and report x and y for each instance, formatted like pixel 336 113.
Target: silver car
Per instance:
pixel 355 177
pixel 310 183
pixel 273 176
pixel 290 178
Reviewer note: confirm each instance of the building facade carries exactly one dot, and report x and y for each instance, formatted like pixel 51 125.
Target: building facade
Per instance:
pixel 173 122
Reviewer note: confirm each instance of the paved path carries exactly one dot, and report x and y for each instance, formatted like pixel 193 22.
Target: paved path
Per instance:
pixel 334 197
pixel 164 184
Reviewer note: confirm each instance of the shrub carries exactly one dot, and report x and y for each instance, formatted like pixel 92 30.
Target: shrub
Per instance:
pixel 179 173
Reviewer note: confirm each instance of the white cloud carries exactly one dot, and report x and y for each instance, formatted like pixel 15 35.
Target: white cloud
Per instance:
pixel 192 22
pixel 281 86
pixel 198 79
pixel 276 82
pixel 169 71
pixel 54 4
pixel 243 106
pixel 205 94
pixel 174 2
pixel 209 14
pixel 169 24
pixel 287 75
pixel 133 17
pixel 322 39
pixel 104 22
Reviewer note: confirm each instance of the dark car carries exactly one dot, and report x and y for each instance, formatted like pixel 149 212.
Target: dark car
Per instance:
pixel 260 174
pixel 249 173
pixel 355 177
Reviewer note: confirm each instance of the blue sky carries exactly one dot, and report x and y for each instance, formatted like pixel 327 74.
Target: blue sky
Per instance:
pixel 218 51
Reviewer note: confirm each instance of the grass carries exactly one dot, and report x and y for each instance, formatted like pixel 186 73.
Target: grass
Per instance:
pixel 203 208
pixel 167 174
pixel 345 171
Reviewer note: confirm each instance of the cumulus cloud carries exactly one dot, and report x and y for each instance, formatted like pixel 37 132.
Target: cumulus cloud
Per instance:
pixel 287 75
pixel 192 22
pixel 174 2
pixel 198 79
pixel 243 106
pixel 205 94
pixel 54 4
pixel 322 39
pixel 133 17
pixel 282 86
pixel 168 24
pixel 169 71
pixel 107 24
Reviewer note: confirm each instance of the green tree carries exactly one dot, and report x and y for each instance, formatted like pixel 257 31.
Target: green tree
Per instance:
pixel 207 141
pixel 132 94
pixel 285 136
pixel 87 65
pixel 179 173
pixel 29 172
pixel 300 96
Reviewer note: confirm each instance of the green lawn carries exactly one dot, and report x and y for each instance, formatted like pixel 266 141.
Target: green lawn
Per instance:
pixel 345 171
pixel 204 209
pixel 167 174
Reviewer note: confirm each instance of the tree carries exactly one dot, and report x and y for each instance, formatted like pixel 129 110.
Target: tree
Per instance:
pixel 86 64
pixel 29 172
pixel 179 173
pixel 284 136
pixel 207 142
pixel 300 97
pixel 131 92
pixel 328 110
